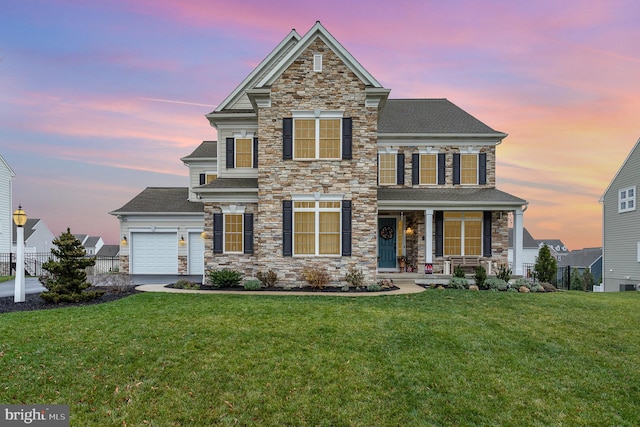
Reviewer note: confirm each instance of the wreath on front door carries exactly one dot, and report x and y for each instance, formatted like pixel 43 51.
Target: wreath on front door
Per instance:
pixel 386 232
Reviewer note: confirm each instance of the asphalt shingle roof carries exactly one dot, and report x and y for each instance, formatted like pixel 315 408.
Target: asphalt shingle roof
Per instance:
pixel 472 195
pixel 161 200
pixel 582 258
pixel 206 150
pixel 232 183
pixel 435 116
pixel 527 240
pixel 108 251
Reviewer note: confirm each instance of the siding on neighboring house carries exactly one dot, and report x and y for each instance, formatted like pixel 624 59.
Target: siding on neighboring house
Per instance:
pixel 621 231
pixel 6 219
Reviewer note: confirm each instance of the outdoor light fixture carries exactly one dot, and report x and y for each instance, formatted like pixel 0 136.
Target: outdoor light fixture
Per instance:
pixel 409 231
pixel 124 241
pixel 203 234
pixel 182 242
pixel 20 219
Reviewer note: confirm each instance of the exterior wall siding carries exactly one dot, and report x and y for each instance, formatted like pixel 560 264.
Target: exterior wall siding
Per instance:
pixel 621 231
pixel 6 219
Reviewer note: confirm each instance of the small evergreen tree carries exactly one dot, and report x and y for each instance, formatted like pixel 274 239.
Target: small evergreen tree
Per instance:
pixel 577 281
pixel 589 280
pixel 546 266
pixel 480 276
pixel 66 280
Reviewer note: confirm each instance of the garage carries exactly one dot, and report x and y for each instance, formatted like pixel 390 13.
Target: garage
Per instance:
pixel 154 253
pixel 196 253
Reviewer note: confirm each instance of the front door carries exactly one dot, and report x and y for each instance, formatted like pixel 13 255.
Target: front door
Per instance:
pixel 387 243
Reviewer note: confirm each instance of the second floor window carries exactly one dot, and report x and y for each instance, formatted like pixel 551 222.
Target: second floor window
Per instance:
pixel 317 138
pixel 468 169
pixel 428 169
pixel 387 173
pixel 627 199
pixel 244 152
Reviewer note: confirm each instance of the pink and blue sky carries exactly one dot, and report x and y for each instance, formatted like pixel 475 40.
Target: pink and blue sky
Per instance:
pixel 99 100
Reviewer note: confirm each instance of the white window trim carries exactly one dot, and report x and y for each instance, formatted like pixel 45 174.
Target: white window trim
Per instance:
pixel 427 151
pixel 389 150
pixel 471 152
pixel 232 210
pixel 316 198
pixel 242 135
pixel 627 199
pixel 317 63
pixel 316 114
pixel 462 220
pixel 638 256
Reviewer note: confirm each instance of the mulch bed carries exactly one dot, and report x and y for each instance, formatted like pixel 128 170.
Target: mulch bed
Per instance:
pixel 34 302
pixel 328 289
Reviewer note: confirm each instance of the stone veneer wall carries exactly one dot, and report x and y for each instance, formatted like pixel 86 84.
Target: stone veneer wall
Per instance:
pixel 124 264
pixel 300 88
pixel 182 264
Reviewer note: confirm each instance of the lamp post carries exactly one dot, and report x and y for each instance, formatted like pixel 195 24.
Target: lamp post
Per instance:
pixel 20 219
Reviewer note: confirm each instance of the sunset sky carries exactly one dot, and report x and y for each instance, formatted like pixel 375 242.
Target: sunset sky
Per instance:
pixel 100 99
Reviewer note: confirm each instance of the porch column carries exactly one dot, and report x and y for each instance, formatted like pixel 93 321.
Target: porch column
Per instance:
pixel 428 236
pixel 517 242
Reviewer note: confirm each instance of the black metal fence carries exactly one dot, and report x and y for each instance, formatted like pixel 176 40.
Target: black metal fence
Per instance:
pixel 33 264
pixel 561 281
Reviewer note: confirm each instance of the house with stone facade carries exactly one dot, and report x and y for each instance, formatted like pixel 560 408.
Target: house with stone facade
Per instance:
pixel 315 165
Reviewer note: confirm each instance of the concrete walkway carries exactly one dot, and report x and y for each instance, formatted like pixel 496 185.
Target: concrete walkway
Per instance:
pixel 31 286
pixel 405 287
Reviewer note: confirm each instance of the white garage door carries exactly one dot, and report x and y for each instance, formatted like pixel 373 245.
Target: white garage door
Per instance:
pixel 196 253
pixel 154 253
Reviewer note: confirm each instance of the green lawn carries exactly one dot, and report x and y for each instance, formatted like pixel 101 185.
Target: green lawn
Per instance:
pixel 440 358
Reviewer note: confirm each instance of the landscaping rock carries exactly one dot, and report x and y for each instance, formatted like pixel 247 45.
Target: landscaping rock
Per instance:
pixel 474 288
pixel 524 289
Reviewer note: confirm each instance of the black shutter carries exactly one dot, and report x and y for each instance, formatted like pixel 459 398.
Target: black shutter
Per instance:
pixel 439 233
pixel 255 152
pixel 230 153
pixel 217 233
pixel 346 228
pixel 347 138
pixel 378 169
pixel 287 228
pixel 482 168
pixel 442 167
pixel 400 169
pixel 456 168
pixel 203 179
pixel 248 233
pixel 287 138
pixel 486 234
pixel 415 169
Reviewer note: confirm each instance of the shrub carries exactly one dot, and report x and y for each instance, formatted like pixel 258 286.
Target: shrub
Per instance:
pixel 537 287
pixel 577 282
pixel 458 282
pixel 66 279
pixel 521 282
pixel 548 287
pixel 458 272
pixel 504 273
pixel 268 279
pixel 480 276
pixel 186 284
pixel 345 288
pixel 252 285
pixel 115 282
pixel 497 284
pixel 317 277
pixel 225 278
pixel 374 287
pixel 589 280
pixel 546 266
pixel 354 277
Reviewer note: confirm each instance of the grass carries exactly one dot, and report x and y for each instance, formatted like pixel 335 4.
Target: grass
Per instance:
pixel 6 278
pixel 439 358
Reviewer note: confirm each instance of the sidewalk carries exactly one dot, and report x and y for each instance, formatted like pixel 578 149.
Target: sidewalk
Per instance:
pixel 405 287
pixel 31 286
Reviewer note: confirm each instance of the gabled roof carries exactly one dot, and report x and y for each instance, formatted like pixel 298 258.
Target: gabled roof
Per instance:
pixel 161 200
pixel 430 116
pixel 635 147
pixel 207 150
pixel 528 242
pixel 80 237
pixel 267 64
pixel 29 228
pixel 3 162
pixel 318 31
pixel 555 245
pixel 467 197
pixel 582 258
pixel 108 251
pixel 91 241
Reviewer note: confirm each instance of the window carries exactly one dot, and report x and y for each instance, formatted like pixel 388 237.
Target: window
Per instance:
pixel 317 63
pixel 210 177
pixel 244 152
pixel 233 233
pixel 317 138
pixel 316 227
pixel 627 199
pixel 428 169
pixel 468 169
pixel 463 233
pixel 387 168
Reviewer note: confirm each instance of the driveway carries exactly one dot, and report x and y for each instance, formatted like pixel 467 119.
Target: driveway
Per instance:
pixel 31 286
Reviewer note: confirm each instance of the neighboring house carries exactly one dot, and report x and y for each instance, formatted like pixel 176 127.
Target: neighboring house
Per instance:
pixel 91 244
pixel 529 247
pixel 6 212
pixel 557 248
pixel 621 227
pixel 582 259
pixel 108 251
pixel 315 166
pixel 37 237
